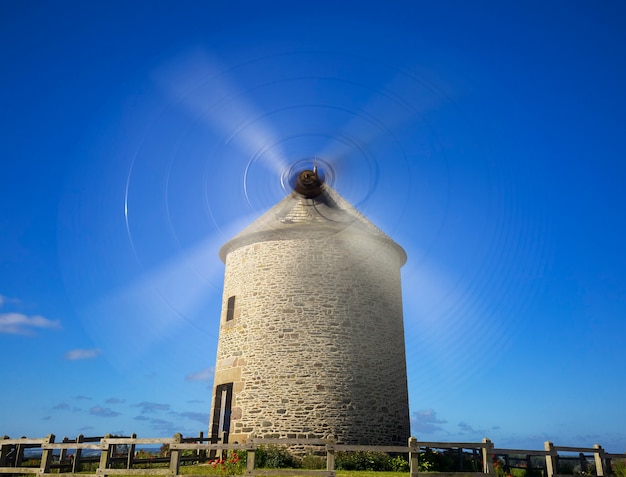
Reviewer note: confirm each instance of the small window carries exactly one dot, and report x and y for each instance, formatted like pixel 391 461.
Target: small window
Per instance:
pixel 230 311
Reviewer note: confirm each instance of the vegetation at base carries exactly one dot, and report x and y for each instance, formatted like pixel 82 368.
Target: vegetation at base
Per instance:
pixel 375 461
pixel 204 470
pixel 517 472
pixel 619 468
pixel 275 457
pixel 227 470
pixel 369 473
pixel 347 464
pixel 448 461
pixel 501 470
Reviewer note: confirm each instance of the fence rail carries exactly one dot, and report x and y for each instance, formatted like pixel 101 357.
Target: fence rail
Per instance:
pixel 12 452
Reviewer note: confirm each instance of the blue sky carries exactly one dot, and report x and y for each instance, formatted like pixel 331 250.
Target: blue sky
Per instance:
pixel 487 138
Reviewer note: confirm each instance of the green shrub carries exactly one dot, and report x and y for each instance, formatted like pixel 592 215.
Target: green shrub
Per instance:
pixel 428 461
pixel 312 461
pixel 534 472
pixel 362 460
pixel 619 468
pixel 400 463
pixel 274 457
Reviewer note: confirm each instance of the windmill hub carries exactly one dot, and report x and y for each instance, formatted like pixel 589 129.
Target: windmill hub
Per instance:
pixel 309 183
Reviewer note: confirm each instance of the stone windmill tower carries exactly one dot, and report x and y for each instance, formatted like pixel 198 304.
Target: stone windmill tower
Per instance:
pixel 311 338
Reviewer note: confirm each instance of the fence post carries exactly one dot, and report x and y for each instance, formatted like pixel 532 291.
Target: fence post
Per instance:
pixel 330 454
pixel 131 452
pixel 63 454
pixel 4 451
pixel 598 457
pixel 487 449
pixel 77 455
pixel 199 452
pixel 46 455
pixel 551 459
pixel 224 440
pixel 175 455
pixel 19 454
pixel 584 465
pixel 105 455
pixel 250 458
pixel 414 452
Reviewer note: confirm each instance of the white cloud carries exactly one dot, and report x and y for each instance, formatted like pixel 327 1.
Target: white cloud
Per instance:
pixel 103 412
pixel 76 354
pixel 425 421
pixel 165 427
pixel 202 417
pixel 152 407
pixel 465 427
pixel 114 400
pixel 5 299
pixel 205 374
pixel 17 323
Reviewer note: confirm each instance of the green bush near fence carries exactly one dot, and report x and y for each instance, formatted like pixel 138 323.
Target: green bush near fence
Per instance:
pixel 275 457
pixel 619 468
pixel 375 461
pixel 313 462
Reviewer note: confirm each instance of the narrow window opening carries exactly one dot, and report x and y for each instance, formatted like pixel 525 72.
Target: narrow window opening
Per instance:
pixel 230 310
pixel 221 412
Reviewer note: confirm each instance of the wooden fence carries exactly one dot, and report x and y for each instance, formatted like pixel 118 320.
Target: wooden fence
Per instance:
pixel 107 460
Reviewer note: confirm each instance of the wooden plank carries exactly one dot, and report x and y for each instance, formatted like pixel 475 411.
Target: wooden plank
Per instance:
pixel 183 446
pixel 19 470
pixel 588 450
pixel 46 456
pixel 354 447
pixel 520 451
pixel 70 474
pixel 23 440
pixel 131 440
pixel 71 445
pixel 163 471
pixel 452 445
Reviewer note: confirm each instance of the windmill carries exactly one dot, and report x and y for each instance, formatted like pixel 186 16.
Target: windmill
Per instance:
pixel 311 339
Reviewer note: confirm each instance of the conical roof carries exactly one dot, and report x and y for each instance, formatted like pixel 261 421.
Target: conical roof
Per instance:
pixel 297 216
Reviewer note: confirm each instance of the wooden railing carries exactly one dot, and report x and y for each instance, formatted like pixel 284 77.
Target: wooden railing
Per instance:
pixel 12 455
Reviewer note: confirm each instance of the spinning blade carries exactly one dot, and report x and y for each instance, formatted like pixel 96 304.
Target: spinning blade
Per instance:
pixel 226 146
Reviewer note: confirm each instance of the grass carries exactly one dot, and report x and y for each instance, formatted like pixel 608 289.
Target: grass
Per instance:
pixel 207 470
pixel 369 473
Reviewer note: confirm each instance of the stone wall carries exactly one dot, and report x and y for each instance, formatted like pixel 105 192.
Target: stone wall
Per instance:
pixel 316 343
